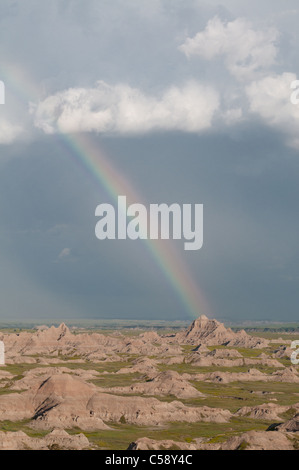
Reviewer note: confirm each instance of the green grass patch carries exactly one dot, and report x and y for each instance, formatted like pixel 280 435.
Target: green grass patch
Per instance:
pixel 121 435
pixel 10 426
pixel 117 380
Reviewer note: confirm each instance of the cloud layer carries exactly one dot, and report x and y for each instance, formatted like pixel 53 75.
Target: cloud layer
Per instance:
pixel 233 73
pixel 245 50
pixel 9 132
pixel 270 99
pixel 125 110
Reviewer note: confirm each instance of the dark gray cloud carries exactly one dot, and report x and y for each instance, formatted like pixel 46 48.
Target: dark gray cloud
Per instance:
pixel 182 122
pixel 248 266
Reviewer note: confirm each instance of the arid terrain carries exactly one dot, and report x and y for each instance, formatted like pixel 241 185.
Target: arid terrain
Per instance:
pixel 204 387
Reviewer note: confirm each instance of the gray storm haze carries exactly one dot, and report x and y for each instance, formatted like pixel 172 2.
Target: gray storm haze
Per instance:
pixel 190 102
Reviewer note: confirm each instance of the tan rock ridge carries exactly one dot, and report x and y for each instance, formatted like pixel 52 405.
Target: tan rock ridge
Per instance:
pixel 252 440
pixel 292 425
pixel 61 401
pixel 141 365
pixel 164 384
pixel 288 375
pixel 60 341
pixel 33 377
pixel 56 440
pixel 267 411
pixel 211 360
pixel 224 353
pixel 151 411
pixel 283 351
pixel 251 375
pixel 15 407
pixel 144 443
pixel 259 440
pixel 64 401
pixel 278 437
pixel 212 333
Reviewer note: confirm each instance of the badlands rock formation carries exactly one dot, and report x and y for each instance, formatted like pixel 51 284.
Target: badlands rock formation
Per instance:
pixel 78 389
pixel 65 401
pixel 151 411
pixel 278 437
pixel 255 440
pixel 142 365
pixel 60 342
pixel 292 425
pixel 288 375
pixel 56 440
pixel 212 333
pixel 266 411
pixel 168 383
pixel 145 443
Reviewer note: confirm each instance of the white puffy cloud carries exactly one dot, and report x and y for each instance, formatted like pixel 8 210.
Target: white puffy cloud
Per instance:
pixel 246 50
pixel 121 109
pixel 8 132
pixel 270 98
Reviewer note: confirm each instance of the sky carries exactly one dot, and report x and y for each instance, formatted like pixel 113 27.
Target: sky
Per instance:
pixel 165 101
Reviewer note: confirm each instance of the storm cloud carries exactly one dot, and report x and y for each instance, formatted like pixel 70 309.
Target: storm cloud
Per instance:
pixel 190 103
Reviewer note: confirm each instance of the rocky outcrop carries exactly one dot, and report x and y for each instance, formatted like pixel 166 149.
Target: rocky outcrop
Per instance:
pixel 164 384
pixel 56 440
pixel 267 411
pixel 35 376
pixel 141 365
pixel 215 360
pixel 61 401
pixel 64 401
pixel 150 411
pixel 145 443
pixel 60 341
pixel 278 437
pixel 283 352
pixel 260 440
pixel 15 407
pixel 292 425
pixel 213 333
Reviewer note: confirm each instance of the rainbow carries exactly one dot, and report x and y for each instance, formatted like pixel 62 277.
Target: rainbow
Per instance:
pixel 100 168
